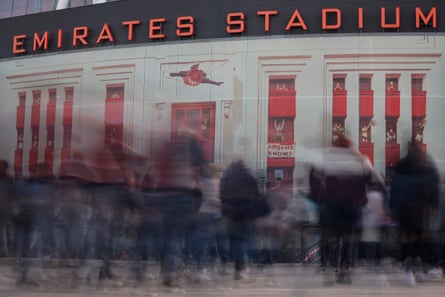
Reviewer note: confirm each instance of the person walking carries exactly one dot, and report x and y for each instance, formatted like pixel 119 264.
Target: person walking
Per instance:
pixel 344 176
pixel 240 198
pixel 414 197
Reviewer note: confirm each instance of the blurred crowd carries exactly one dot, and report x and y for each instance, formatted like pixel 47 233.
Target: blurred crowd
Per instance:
pixel 194 219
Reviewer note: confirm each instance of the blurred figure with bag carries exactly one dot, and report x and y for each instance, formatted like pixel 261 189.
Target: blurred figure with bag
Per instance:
pixel 414 197
pixel 242 203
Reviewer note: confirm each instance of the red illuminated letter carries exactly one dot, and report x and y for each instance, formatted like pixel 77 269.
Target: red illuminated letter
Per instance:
pixel 360 17
pixel 235 19
pixel 131 25
pixel 383 23
pixel 324 13
pixel 105 34
pixel 267 14
pixel 79 34
pixel 293 24
pixel 155 26
pixel 185 27
pixel 426 19
pixel 59 38
pixel 17 44
pixel 41 42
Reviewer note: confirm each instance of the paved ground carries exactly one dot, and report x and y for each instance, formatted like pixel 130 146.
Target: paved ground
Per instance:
pixel 282 280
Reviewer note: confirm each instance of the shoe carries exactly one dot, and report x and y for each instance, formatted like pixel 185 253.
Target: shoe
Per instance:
pixel 170 282
pixel 419 276
pixel 410 280
pixel 223 271
pixel 241 276
pixel 201 276
pixel 435 274
pixel 344 278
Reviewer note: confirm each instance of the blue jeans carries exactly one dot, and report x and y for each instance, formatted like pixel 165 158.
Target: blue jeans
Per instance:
pixel 239 234
pixel 204 237
pixel 174 231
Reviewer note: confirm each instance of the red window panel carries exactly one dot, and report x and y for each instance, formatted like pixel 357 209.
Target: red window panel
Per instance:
pixel 33 158
pixel 67 113
pixel 282 105
pixel 282 96
pixel 280 162
pixel 114 116
pixel 49 157
pixel 365 82
pixel 35 115
pixel 20 120
pixel 35 109
pixel 18 161
pixel 419 103
pixel 367 150
pixel 67 125
pixel 67 133
pixel 392 104
pixel 51 109
pixel 114 111
pixel 392 152
pixel 366 104
pixel 423 148
pixel 66 155
pixel 417 83
pixel 339 108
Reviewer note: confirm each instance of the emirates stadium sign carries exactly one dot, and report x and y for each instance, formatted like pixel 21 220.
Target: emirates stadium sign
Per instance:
pixel 131 22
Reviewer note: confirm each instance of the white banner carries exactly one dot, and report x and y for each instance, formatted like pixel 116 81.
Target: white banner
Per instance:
pixel 277 150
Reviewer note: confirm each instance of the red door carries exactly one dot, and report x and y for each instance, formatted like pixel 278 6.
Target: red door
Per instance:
pixel 198 118
pixel 114 116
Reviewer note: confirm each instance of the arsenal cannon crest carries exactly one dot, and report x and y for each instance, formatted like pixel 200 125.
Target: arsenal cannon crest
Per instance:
pixel 194 77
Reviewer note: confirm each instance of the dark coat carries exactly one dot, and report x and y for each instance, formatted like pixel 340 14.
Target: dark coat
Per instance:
pixel 414 191
pixel 240 196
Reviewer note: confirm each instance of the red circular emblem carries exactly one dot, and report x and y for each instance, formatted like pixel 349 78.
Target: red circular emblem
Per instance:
pixel 193 77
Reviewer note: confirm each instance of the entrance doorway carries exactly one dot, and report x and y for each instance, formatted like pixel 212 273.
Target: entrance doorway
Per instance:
pixel 198 118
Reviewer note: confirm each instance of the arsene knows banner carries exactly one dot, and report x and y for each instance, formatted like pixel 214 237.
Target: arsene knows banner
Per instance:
pixel 277 150
pixel 132 22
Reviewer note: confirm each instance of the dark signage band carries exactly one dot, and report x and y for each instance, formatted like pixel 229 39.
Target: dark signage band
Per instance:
pixel 133 22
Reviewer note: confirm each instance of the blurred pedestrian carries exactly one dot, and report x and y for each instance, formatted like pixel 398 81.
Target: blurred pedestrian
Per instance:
pixel 108 192
pixel 35 198
pixel 7 200
pixel 414 197
pixel 241 205
pixel 273 228
pixel 373 218
pixel 179 166
pixel 344 176
pixel 74 227
pixel 205 224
